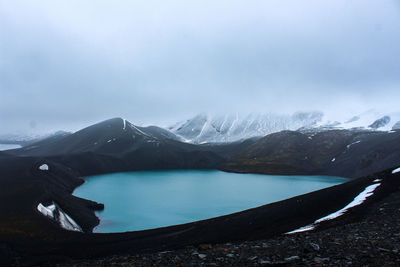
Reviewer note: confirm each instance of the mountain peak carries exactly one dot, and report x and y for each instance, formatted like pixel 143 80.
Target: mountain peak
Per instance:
pixel 204 128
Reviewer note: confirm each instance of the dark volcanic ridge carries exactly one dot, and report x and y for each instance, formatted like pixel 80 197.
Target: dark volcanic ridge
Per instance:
pixel 46 173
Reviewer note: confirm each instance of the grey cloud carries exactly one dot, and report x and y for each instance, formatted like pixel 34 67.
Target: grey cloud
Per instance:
pixel 67 63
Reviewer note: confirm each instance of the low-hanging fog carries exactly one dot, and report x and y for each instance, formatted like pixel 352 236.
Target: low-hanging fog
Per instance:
pixel 67 64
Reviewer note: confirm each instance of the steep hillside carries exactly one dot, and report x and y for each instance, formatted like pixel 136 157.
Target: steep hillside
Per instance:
pixel 118 145
pixel 335 152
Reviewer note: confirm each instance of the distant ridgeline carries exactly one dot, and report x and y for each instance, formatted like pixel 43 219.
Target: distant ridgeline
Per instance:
pixel 118 145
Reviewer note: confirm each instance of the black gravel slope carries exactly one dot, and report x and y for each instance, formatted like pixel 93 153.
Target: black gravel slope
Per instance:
pixel 373 240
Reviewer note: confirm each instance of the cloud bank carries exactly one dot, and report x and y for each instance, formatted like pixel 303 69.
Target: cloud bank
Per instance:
pixel 65 64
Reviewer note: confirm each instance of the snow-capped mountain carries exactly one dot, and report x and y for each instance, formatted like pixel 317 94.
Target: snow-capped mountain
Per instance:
pixel 369 120
pixel 205 128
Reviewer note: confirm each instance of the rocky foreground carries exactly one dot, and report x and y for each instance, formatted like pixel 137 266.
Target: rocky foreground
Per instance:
pixel 374 240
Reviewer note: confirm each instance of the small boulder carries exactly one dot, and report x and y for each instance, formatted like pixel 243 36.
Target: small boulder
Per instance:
pixel 203 247
pixel 202 256
pixel 314 246
pixel 292 258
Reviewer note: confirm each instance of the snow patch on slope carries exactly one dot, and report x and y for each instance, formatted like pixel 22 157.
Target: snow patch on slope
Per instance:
pixel 369 191
pixel 356 142
pixel 47 211
pixel 68 223
pixel 302 229
pixel 57 214
pixel 358 200
pixel 396 170
pixel 44 167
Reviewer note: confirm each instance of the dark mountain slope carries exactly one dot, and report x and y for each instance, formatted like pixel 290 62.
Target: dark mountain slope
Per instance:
pixel 337 152
pixel 108 137
pixel 117 145
pixel 368 153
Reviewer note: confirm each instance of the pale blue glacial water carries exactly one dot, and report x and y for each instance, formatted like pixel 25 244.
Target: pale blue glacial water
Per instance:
pixel 150 199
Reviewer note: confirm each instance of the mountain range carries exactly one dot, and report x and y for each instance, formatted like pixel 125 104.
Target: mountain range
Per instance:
pixel 118 145
pixel 205 128
pixel 233 127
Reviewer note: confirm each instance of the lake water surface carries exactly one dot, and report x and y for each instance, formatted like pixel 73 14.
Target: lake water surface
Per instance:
pixel 150 199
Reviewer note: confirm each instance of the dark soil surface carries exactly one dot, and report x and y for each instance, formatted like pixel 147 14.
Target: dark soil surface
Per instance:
pixel 373 240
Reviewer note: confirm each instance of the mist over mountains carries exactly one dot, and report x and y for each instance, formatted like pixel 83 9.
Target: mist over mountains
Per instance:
pixel 231 127
pixel 205 128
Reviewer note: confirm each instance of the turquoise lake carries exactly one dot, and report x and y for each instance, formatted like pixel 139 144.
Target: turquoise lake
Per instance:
pixel 150 199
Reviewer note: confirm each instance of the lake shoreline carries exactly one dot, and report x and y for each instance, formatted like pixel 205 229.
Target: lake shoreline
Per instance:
pixel 166 198
pixel 51 242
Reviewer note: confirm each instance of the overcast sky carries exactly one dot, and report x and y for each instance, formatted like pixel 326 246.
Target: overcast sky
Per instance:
pixel 67 64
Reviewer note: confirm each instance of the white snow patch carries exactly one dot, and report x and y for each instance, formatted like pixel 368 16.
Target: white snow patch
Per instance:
pixel 302 229
pixel 124 121
pixel 356 142
pixel 44 167
pixel 377 180
pixel 396 170
pixel 47 211
pixel 57 214
pixel 333 160
pixel 358 200
pixel 109 141
pixel 68 223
